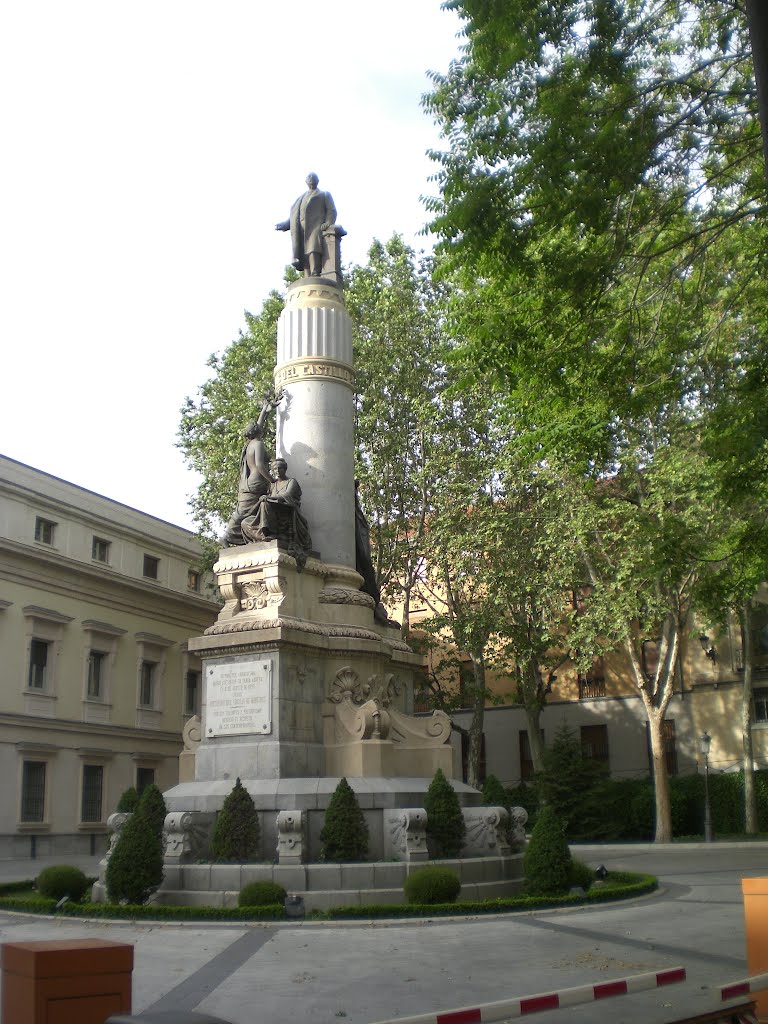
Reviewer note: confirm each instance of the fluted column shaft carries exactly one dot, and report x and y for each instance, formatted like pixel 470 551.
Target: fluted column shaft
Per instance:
pixel 315 421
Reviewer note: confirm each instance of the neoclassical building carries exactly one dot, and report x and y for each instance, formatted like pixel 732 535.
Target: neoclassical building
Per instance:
pixel 603 707
pixel 97 602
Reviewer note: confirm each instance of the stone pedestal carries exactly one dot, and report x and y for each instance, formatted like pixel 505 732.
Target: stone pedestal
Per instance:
pixel 301 686
pixel 273 659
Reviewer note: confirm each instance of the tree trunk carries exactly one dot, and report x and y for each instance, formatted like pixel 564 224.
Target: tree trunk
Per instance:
pixel 750 799
pixel 535 742
pixel 663 833
pixel 476 726
pixel 405 625
pixel 656 694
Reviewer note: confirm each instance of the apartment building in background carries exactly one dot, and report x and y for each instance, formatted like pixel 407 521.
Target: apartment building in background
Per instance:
pixel 603 707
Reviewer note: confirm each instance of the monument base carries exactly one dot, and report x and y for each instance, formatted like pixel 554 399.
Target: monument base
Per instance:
pixel 323 886
pixel 301 687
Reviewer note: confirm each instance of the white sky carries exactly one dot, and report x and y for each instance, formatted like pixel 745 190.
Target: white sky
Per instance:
pixel 148 150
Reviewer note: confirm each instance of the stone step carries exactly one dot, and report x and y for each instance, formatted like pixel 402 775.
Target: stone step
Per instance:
pixel 325 899
pixel 371 876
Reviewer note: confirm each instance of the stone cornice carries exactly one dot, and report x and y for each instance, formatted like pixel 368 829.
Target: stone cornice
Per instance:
pixel 153 640
pixel 108 521
pixel 105 628
pixel 62 575
pixel 34 611
pixel 80 729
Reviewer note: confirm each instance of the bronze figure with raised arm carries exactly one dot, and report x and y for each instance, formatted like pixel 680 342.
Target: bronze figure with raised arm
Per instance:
pixel 254 480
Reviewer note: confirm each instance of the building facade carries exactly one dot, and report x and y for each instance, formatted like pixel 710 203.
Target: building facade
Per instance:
pixel 97 602
pixel 603 707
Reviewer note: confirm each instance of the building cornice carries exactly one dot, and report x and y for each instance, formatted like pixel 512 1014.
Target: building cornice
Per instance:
pixel 107 520
pixel 80 729
pixel 63 575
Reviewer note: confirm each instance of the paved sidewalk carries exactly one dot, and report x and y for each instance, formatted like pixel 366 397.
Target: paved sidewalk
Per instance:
pixel 366 971
pixel 21 870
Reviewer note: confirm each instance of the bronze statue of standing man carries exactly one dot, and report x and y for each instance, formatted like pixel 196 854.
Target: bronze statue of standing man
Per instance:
pixel 311 215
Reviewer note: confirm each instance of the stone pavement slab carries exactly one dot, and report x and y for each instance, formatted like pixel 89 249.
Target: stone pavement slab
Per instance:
pixel 364 972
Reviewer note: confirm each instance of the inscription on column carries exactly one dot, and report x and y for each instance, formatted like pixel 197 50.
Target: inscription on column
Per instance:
pixel 238 697
pixel 303 369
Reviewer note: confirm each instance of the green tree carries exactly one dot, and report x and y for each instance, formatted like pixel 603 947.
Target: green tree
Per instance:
pixel 400 354
pixel 135 868
pixel 344 836
pixel 129 801
pixel 567 779
pixel 153 807
pixel 494 794
pixel 547 860
pixel 600 228
pixel 446 830
pixel 235 835
pixel 211 428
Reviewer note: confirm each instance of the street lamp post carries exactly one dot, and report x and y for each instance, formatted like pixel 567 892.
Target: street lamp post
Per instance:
pixel 704 743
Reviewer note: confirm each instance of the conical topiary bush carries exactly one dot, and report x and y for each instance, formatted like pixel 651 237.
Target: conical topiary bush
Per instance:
pixel 152 804
pixel 344 836
pixel 446 830
pixel 494 794
pixel 135 868
pixel 235 835
pixel 129 801
pixel 547 861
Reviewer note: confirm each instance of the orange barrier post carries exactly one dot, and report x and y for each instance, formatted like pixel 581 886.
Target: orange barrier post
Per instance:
pixel 755 892
pixel 83 980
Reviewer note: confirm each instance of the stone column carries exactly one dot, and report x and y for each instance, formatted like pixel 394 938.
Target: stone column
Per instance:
pixel 316 418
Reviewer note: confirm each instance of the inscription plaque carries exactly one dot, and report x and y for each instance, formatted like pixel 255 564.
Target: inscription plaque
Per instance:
pixel 238 697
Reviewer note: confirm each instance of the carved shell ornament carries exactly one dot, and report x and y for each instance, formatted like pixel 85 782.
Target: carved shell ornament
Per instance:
pixel 347 686
pixel 253 595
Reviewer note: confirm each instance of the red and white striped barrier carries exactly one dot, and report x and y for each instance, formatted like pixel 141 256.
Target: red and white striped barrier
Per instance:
pixel 757 983
pixel 520 1007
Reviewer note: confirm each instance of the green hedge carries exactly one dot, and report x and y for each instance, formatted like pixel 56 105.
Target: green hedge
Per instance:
pixel 619 885
pixel 624 809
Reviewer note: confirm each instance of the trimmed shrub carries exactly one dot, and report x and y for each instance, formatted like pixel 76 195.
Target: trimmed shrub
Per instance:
pixel 446 830
pixel 261 894
pixel 153 807
pixel 525 795
pixel 344 836
pixel 61 880
pixel 135 868
pixel 547 861
pixel 566 782
pixel 494 794
pixel 432 885
pixel 580 874
pixel 235 836
pixel 128 802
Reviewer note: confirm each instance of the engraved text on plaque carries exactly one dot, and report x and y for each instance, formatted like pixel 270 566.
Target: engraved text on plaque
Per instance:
pixel 238 697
